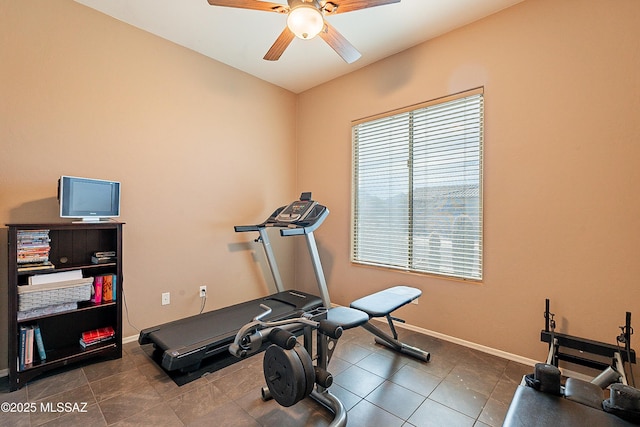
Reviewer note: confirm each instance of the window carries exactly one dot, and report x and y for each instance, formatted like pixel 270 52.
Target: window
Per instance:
pixel 417 188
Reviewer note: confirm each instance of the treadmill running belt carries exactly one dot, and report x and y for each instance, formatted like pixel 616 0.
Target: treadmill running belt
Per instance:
pixel 185 342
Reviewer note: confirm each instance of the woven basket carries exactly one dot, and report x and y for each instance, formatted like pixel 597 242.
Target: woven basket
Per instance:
pixel 36 296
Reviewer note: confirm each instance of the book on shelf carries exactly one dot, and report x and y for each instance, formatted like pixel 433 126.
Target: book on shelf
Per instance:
pixel 99 333
pixel 61 276
pixel 29 351
pixel 33 234
pixel 36 266
pixel 107 288
pixel 27 341
pixel 101 260
pixel 39 343
pixel 103 257
pixel 102 254
pixel 96 336
pixel 84 344
pixel 22 355
pixel 97 290
pixel 33 257
pixel 104 288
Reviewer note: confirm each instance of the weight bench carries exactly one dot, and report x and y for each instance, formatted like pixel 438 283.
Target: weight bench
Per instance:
pixel 382 304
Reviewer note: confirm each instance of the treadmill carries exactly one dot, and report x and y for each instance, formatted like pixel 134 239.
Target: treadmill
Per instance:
pixel 183 344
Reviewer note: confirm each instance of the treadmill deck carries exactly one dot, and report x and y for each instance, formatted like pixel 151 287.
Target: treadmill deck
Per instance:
pixel 185 342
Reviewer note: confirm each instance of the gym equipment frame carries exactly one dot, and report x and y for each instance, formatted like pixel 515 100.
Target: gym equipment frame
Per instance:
pixel 618 355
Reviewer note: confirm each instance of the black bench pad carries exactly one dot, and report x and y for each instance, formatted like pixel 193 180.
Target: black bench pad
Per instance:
pixel 387 301
pixel 532 408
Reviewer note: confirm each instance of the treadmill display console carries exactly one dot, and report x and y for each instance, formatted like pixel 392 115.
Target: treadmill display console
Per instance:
pixel 296 211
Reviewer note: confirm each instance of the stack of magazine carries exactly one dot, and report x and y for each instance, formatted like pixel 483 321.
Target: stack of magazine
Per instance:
pixel 103 257
pixel 33 250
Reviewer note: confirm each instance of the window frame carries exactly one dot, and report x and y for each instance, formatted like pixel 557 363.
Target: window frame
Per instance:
pixel 477 252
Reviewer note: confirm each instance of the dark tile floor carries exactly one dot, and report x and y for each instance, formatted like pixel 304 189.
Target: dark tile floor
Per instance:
pixel 378 387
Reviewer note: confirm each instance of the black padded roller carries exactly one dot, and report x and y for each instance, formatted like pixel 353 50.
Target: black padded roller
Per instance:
pixel 323 377
pixel 282 338
pixel 331 329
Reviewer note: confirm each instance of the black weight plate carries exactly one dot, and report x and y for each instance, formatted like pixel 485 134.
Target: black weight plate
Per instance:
pixel 285 375
pixel 309 370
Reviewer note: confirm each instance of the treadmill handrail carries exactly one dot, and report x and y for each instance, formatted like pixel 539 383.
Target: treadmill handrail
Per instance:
pixel 245 228
pixel 298 230
pixel 288 228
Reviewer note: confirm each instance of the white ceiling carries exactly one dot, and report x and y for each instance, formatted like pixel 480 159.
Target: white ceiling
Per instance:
pixel 241 37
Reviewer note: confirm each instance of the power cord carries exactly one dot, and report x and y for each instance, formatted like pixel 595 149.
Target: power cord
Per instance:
pixel 126 310
pixel 203 301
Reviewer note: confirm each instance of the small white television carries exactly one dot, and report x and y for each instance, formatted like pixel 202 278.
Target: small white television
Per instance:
pixel 88 199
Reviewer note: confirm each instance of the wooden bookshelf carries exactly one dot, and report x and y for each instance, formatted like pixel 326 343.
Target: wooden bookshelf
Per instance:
pixel 71 247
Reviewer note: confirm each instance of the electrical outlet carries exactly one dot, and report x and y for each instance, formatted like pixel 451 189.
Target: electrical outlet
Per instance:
pixel 203 291
pixel 415 301
pixel 166 298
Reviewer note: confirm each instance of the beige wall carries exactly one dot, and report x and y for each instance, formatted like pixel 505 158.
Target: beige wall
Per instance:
pixel 562 149
pixel 83 94
pixel 198 146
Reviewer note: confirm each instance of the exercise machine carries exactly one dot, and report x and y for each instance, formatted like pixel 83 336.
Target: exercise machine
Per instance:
pixel 588 352
pixel 543 400
pixel 288 366
pixel 183 344
pixel 292 372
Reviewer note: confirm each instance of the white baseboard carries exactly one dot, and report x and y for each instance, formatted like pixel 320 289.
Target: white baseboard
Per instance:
pixel 129 339
pixel 469 344
pixel 489 350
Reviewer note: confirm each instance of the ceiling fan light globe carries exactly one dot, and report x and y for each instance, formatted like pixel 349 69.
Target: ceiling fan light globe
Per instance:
pixel 305 22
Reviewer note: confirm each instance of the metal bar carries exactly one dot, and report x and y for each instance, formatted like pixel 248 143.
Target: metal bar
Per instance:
pixel 586 345
pixel 619 367
pixel 628 330
pixel 271 259
pixel 582 361
pixel 546 315
pixel 390 341
pixel 393 329
pixel 333 403
pixel 317 268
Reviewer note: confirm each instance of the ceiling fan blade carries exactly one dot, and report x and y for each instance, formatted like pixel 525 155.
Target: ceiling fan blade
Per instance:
pixel 338 43
pixel 332 7
pixel 281 43
pixel 250 4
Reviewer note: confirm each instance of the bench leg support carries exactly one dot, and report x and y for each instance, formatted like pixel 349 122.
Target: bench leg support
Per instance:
pixel 392 342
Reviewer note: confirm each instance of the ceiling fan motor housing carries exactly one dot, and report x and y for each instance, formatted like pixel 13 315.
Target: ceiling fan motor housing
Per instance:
pixel 305 18
pixel 295 3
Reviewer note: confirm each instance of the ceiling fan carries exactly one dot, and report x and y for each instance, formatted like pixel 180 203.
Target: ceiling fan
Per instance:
pixel 305 19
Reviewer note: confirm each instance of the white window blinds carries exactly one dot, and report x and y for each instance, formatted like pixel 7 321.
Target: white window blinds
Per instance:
pixel 417 188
